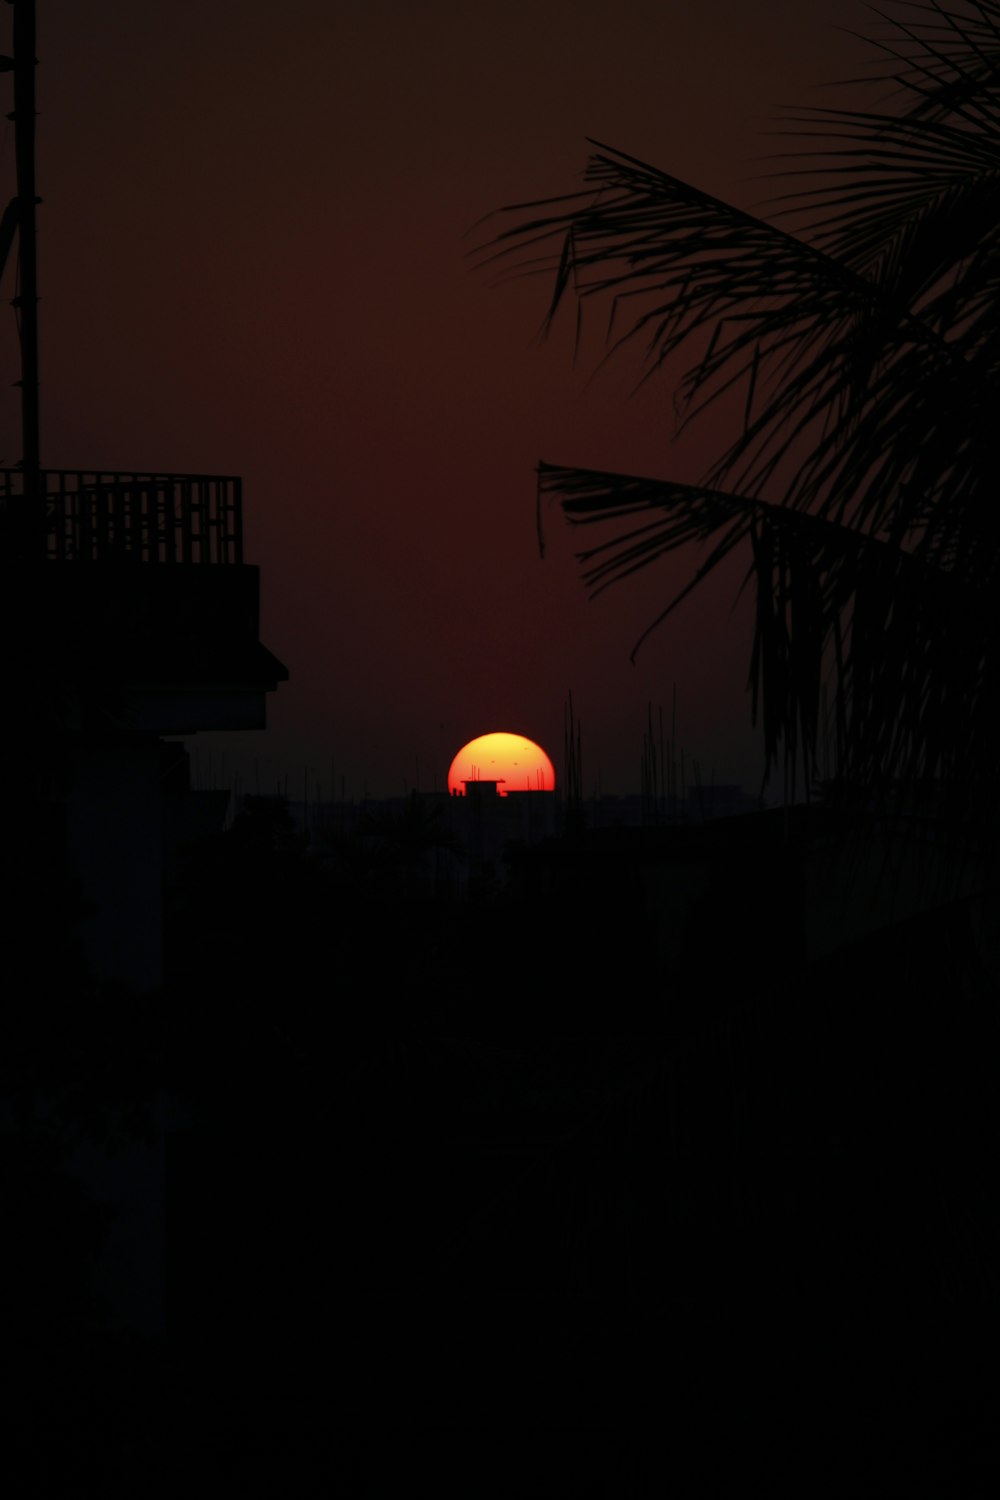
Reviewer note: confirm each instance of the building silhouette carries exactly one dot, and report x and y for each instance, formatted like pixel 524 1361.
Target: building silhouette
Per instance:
pixel 143 620
pixel 129 616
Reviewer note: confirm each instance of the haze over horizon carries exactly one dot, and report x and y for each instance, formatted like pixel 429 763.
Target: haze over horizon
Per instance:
pixel 253 260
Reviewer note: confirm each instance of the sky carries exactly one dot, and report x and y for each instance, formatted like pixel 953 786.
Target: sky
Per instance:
pixel 254 259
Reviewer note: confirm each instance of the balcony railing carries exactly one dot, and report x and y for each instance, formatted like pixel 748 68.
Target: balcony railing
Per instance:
pixel 144 518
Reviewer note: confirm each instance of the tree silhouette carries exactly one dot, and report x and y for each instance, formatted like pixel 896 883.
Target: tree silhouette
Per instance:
pixel 857 334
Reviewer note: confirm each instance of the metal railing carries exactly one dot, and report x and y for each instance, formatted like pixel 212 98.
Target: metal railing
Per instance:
pixel 101 516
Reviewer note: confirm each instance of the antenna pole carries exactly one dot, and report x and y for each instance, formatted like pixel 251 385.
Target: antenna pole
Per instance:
pixel 26 300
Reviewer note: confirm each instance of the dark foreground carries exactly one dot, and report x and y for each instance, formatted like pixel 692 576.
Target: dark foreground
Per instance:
pixel 501 1198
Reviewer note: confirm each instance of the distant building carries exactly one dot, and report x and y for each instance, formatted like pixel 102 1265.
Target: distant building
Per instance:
pixel 489 825
pixel 719 801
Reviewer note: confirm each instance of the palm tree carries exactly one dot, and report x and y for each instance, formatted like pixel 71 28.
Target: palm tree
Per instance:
pixel 858 326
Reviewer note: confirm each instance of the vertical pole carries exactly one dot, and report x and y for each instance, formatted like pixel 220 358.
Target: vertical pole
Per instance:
pixel 673 743
pixel 663 775
pixel 27 297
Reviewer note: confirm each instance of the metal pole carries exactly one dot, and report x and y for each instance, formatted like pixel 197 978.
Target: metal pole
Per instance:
pixel 27 297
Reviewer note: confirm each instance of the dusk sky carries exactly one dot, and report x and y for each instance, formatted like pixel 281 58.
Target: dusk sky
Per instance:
pixel 253 260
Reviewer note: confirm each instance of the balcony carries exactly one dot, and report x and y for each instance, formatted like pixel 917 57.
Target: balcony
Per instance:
pixel 174 642
pixel 98 517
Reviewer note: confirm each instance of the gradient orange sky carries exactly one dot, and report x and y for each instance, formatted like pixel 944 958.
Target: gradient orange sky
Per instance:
pixel 251 261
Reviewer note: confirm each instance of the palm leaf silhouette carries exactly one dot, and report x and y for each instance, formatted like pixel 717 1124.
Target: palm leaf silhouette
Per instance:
pixel 860 330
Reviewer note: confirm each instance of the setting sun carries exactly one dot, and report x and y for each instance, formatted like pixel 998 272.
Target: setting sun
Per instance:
pixel 516 763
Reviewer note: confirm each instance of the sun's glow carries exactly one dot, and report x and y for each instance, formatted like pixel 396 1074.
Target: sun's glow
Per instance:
pixel 517 764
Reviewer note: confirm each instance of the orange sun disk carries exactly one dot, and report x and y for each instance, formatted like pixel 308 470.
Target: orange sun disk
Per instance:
pixel 516 763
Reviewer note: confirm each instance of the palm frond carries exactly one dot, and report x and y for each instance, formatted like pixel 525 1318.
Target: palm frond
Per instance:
pixel 861 331
pixel 947 62
pixel 821 590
